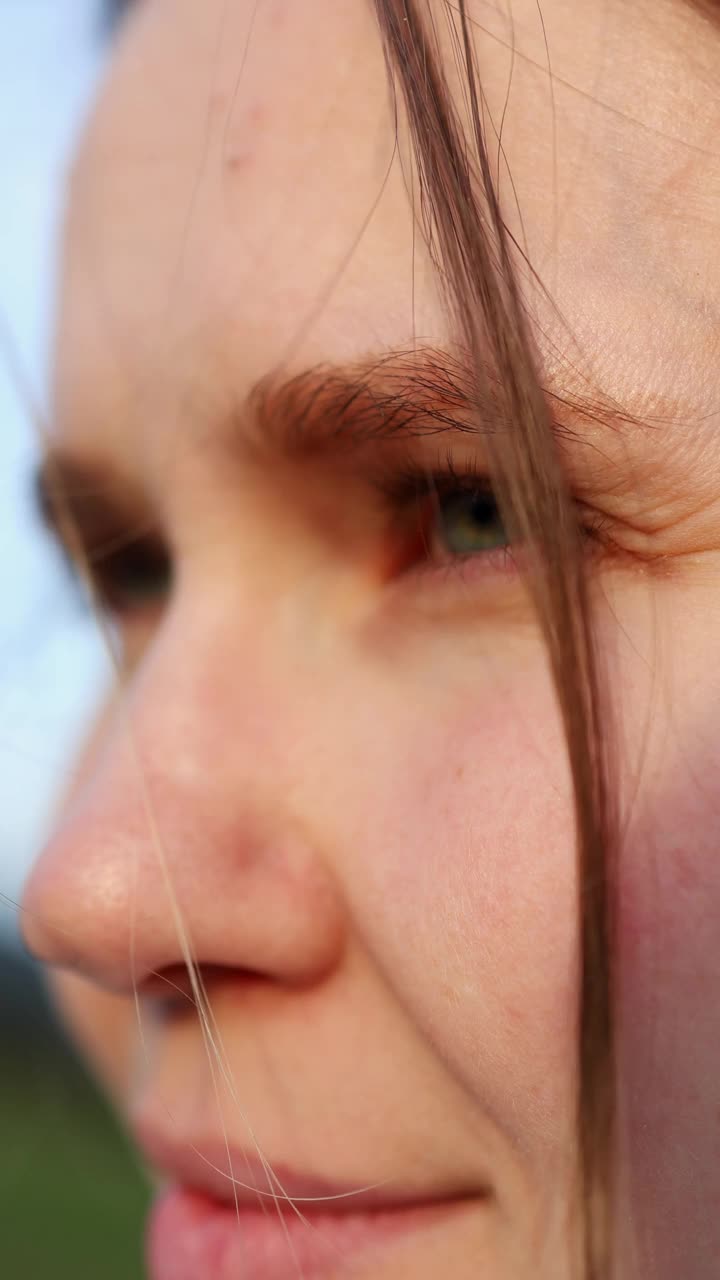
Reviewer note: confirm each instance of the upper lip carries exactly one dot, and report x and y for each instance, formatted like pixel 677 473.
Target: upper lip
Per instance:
pixel 233 1175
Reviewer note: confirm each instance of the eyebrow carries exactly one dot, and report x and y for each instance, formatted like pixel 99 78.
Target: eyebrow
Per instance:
pixel 337 411
pixel 322 412
pixel 334 410
pixel 328 412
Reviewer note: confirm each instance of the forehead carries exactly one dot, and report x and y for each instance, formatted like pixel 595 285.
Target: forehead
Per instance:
pixel 244 199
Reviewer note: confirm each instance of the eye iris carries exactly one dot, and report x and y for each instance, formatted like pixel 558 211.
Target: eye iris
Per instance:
pixel 470 522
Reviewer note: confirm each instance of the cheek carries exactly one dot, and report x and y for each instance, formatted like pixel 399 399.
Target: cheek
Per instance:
pixel 669 929
pixel 670 1010
pixel 466 897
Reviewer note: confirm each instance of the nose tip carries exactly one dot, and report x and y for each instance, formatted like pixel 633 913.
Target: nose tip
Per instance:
pixel 110 901
pixel 77 910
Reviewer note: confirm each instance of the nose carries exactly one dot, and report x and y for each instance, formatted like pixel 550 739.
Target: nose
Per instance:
pixel 187 823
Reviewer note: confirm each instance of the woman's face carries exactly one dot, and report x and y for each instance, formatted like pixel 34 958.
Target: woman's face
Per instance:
pixel 336 756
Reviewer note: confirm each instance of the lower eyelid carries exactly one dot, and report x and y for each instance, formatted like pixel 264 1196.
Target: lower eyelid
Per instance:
pixel 473 565
pixel 483 577
pixel 470 590
pixel 476 576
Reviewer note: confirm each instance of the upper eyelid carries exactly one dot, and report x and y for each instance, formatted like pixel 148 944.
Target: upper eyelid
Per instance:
pixel 88 522
pixel 85 561
pixel 423 461
pixel 86 556
pixel 411 483
pixel 104 534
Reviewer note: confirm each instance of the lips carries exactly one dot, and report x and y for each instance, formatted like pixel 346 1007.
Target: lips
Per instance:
pixel 262 1225
pixel 231 1176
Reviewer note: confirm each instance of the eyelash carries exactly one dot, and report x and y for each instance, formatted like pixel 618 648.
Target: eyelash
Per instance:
pixel 143 563
pixel 415 495
pixel 408 490
pixel 138 560
pixel 403 484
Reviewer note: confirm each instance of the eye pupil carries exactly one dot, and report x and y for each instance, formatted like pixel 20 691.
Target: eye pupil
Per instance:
pixel 469 522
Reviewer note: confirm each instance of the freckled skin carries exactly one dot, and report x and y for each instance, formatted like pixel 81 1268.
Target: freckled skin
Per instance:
pixel 366 805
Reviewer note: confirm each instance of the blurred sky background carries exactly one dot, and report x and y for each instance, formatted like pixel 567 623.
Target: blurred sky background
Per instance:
pixel 52 665
pixel 72 1201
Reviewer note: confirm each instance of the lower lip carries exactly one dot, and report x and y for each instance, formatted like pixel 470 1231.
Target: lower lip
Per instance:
pixel 192 1237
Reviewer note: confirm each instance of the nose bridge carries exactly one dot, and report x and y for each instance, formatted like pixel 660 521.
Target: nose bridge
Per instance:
pixel 209 703
pixel 219 671
pixel 185 799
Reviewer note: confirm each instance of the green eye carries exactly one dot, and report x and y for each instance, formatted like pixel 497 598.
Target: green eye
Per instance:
pixel 468 522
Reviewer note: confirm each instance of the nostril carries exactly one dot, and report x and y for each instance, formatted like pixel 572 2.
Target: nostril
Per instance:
pixel 171 991
pixel 174 985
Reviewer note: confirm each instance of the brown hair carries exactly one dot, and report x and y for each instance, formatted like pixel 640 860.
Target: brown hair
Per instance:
pixel 473 252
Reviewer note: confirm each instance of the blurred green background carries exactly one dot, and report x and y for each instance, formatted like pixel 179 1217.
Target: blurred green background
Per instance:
pixel 72 1201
